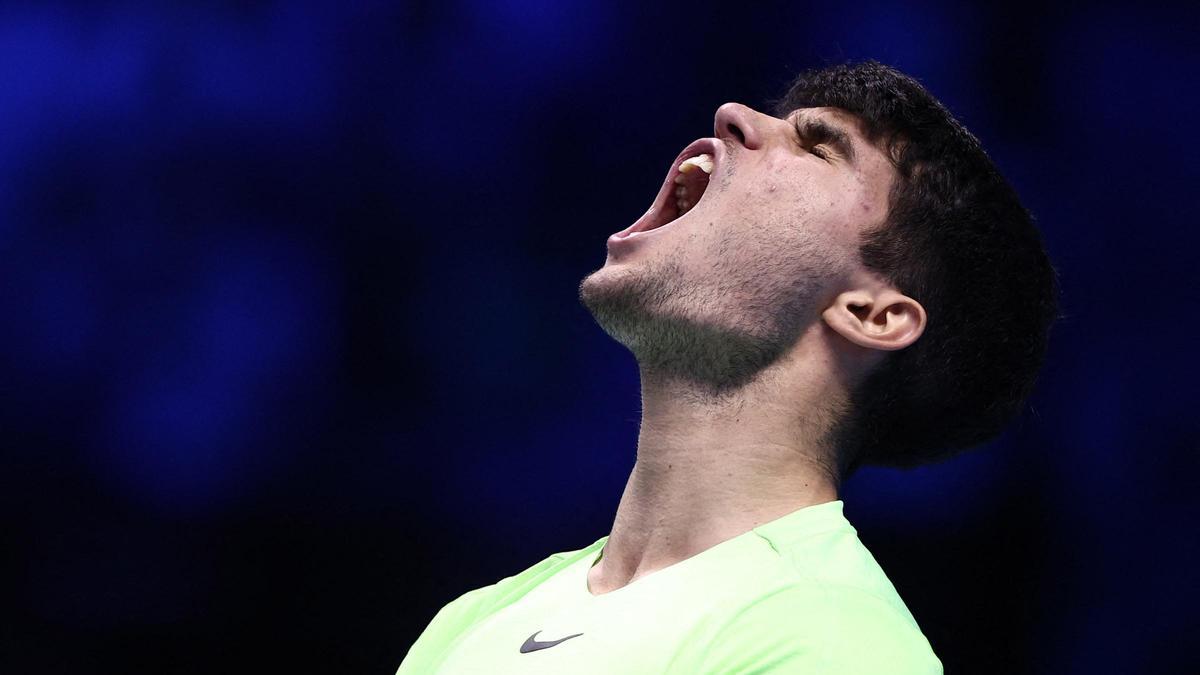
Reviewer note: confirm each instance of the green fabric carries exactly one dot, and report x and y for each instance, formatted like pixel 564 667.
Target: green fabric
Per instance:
pixel 799 594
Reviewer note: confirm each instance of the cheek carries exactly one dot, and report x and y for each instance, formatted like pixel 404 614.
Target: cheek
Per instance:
pixel 819 207
pixel 845 209
pixel 783 189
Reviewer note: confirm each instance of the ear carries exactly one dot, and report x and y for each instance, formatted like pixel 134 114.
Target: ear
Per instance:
pixel 876 318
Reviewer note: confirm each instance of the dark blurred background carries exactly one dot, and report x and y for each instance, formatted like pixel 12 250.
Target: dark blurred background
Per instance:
pixel 291 346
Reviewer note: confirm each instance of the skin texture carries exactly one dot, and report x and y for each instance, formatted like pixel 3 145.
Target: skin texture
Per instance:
pixel 750 318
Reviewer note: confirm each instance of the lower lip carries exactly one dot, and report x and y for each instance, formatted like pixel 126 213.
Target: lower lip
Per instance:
pixel 620 240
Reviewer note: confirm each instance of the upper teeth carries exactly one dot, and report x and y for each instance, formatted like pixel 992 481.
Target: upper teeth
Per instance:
pixel 703 161
pixel 683 199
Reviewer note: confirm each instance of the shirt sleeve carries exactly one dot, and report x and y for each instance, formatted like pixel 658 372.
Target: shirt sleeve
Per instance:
pixel 828 630
pixel 450 622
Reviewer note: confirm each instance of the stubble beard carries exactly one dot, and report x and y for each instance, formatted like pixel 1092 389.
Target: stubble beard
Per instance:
pixel 712 340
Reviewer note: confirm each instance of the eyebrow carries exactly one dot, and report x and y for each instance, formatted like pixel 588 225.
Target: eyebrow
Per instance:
pixel 820 131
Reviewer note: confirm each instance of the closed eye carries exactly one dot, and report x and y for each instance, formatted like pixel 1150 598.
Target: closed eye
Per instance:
pixel 806 142
pixel 814 132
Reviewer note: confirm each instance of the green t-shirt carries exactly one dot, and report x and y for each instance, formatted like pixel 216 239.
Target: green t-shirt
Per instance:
pixel 800 594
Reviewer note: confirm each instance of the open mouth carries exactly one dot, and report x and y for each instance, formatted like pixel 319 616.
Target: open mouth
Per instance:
pixel 682 190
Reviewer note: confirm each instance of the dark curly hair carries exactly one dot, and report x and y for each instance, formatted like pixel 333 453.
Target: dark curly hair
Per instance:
pixel 957 240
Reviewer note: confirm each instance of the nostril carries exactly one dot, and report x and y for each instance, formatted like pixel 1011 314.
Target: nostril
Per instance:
pixel 735 123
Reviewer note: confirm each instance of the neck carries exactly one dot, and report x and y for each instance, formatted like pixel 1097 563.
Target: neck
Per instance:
pixel 708 470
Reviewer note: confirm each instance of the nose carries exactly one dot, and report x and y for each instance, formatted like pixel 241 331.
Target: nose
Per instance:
pixel 739 123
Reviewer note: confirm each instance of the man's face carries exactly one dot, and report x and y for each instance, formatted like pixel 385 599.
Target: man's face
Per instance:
pixel 725 271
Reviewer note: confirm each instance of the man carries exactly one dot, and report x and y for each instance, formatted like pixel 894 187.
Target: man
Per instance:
pixel 847 282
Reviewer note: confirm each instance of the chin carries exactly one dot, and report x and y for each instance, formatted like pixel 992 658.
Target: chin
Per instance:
pixel 605 283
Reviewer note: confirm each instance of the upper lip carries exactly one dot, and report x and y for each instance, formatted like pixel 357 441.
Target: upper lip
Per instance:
pixel 653 218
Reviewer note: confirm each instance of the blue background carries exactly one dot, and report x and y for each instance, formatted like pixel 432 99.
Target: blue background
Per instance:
pixel 291 353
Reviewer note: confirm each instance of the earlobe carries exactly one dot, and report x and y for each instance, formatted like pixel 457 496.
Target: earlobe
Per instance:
pixel 884 319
